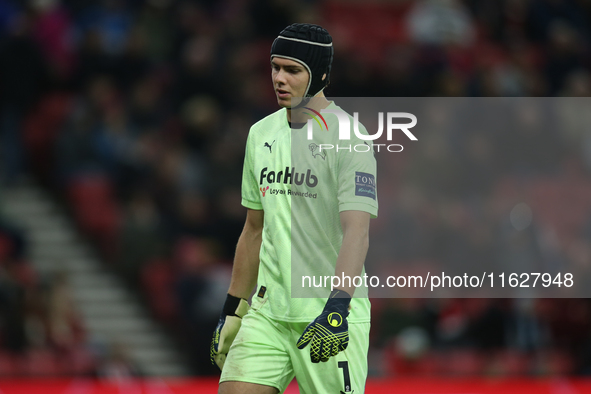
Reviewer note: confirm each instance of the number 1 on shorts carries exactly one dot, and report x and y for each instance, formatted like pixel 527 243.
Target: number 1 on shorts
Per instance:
pixel 346 377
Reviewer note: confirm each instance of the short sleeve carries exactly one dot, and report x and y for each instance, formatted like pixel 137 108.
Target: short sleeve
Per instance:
pixel 357 178
pixel 251 198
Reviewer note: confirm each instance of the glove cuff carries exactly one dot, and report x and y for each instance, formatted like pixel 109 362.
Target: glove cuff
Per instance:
pixel 235 306
pixel 339 301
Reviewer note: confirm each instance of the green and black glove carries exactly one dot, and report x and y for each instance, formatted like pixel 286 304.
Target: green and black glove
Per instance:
pixel 328 334
pixel 228 325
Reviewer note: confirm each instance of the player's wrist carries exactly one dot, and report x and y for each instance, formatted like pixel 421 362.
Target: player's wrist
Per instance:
pixel 338 301
pixel 235 306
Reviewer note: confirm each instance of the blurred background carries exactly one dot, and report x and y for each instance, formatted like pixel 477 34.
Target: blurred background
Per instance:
pixel 122 133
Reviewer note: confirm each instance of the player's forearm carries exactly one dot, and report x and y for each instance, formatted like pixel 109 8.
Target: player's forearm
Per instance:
pixel 246 262
pixel 353 251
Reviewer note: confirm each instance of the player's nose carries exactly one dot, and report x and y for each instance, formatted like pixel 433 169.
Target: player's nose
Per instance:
pixel 280 77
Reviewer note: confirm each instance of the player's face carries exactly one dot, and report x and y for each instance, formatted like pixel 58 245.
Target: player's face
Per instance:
pixel 290 79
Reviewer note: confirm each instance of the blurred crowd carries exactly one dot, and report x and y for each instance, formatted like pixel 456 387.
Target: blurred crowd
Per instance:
pixel 135 115
pixel 41 330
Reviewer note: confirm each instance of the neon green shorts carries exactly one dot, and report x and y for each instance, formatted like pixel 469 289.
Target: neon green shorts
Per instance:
pixel 264 352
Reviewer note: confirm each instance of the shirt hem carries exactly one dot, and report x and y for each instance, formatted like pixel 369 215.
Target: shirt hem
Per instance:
pixel 249 380
pixel 252 205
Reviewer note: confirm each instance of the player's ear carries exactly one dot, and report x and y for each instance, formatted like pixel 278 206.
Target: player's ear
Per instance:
pixel 324 76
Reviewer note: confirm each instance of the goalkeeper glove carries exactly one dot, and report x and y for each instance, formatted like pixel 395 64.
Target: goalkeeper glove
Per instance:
pixel 328 334
pixel 228 325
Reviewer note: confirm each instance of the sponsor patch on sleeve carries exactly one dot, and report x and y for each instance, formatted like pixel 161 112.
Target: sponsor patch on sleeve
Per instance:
pixel 365 185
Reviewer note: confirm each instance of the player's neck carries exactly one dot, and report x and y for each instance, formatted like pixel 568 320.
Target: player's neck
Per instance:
pixel 300 115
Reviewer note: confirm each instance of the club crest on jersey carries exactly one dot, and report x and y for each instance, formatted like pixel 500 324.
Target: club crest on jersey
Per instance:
pixel 317 152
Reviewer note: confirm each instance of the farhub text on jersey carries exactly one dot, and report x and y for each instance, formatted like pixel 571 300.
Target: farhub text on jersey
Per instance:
pixel 289 176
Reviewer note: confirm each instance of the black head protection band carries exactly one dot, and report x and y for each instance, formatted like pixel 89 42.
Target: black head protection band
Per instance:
pixel 310 45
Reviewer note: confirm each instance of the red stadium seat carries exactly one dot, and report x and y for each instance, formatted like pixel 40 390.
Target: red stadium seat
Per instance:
pixel 42 127
pixel 157 279
pixel 431 364
pixel 79 361
pixel 40 362
pixel 8 365
pixel 464 363
pixel 509 363
pixel 96 209
pixel 560 363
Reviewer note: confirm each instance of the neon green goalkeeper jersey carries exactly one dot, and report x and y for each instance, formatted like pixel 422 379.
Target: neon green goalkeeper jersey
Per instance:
pixel 302 185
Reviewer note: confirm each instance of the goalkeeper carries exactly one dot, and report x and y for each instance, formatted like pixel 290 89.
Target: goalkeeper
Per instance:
pixel 323 342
